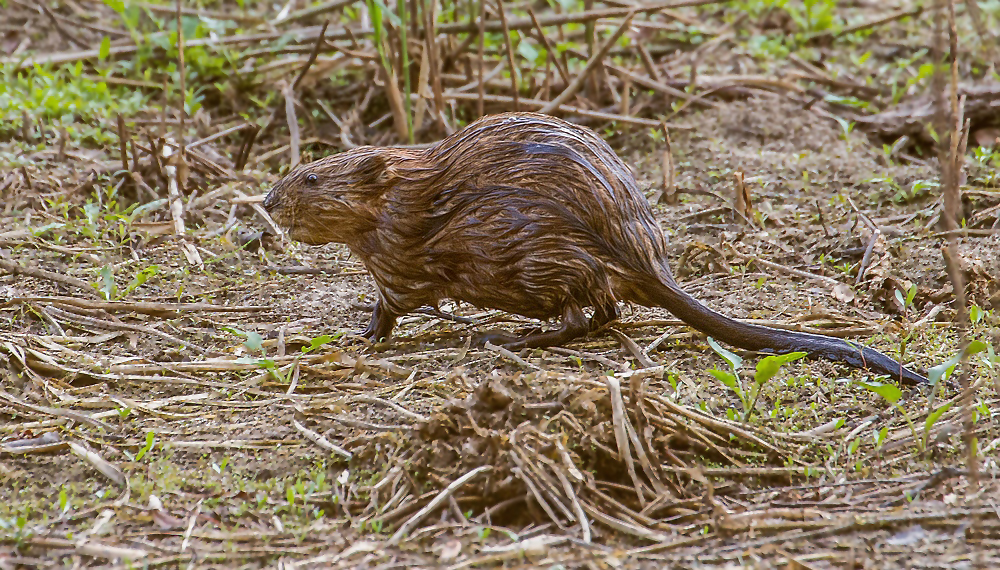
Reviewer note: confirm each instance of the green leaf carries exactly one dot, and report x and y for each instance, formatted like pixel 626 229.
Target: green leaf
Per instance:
pixel 150 439
pixel 131 18
pixel 975 314
pixel 527 51
pixel 769 366
pixel 932 419
pixel 730 381
pixel 975 347
pixel 899 297
pixel 383 9
pixel 105 49
pixel 925 71
pixel 140 278
pixel 725 377
pixel 942 371
pixel 845 125
pixel 141 210
pixel 887 391
pixel 375 12
pixel 318 342
pixel 254 341
pixel 39 232
pixel 734 361
pixel 107 288
pixel 191 25
pixel 116 5
pixel 849 101
pixel 881 435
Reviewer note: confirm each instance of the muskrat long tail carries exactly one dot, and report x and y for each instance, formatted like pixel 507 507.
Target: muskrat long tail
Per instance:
pixel 756 337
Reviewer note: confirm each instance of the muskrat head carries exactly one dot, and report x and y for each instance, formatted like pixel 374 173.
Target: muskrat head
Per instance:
pixel 334 199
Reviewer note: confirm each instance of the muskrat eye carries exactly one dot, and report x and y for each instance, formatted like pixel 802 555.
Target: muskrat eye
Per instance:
pixel 311 178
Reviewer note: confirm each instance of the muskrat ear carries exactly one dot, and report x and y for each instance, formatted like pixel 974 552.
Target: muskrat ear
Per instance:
pixel 374 169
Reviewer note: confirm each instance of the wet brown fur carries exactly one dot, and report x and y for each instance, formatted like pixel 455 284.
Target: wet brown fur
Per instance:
pixel 520 212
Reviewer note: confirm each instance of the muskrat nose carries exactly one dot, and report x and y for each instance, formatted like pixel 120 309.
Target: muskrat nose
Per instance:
pixel 271 200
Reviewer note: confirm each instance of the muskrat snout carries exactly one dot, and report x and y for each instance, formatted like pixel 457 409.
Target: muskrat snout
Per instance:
pixel 271 200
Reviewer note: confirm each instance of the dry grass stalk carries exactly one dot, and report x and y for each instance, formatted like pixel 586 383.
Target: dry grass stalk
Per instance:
pixel 481 62
pixel 321 441
pixel 985 36
pixel 312 32
pixel 182 108
pixel 647 62
pixel 621 434
pixel 592 63
pixel 11 400
pixel 15 268
pixel 109 325
pixel 668 195
pixel 434 56
pixel 634 349
pixel 510 356
pixel 951 168
pixel 511 63
pixel 539 105
pixel 113 473
pixel 149 308
pixel 657 86
pixel 830 281
pixel 293 126
pixel 438 500
pixel 552 55
pixel 626 96
pixel 123 142
pixel 395 98
pixel 593 83
pixel 741 199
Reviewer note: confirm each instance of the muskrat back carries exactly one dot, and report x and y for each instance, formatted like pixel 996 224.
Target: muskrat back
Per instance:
pixel 520 212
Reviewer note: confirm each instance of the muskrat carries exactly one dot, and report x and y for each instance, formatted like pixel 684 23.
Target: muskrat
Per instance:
pixel 520 212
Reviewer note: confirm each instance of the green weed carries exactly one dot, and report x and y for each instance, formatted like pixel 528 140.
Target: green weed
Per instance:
pixel 767 368
pixel 63 98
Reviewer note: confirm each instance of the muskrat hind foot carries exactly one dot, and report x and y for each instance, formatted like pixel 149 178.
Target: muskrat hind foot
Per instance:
pixel 370 335
pixel 357 338
pixel 574 325
pixel 496 338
